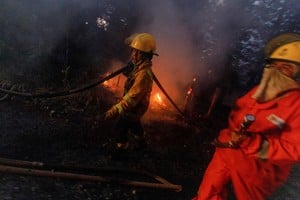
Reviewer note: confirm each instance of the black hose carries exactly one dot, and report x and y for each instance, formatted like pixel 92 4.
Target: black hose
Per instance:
pixel 68 92
pixel 166 94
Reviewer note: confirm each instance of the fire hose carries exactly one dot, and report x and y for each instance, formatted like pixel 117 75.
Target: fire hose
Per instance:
pixel 43 170
pixel 29 168
pixel 66 92
pixel 166 94
pixel 88 86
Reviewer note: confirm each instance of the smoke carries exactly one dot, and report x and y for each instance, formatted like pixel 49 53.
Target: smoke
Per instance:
pixel 175 64
pixel 219 36
pixel 44 37
pixel 193 37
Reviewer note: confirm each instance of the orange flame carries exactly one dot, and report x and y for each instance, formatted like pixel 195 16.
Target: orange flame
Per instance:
pixel 106 83
pixel 158 99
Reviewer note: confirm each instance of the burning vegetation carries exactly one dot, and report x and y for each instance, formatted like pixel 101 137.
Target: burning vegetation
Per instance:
pixel 51 48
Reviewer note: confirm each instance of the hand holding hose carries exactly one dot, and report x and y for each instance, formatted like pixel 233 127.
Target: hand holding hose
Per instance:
pixel 237 136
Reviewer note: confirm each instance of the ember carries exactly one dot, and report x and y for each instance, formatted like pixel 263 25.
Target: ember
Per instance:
pixel 190 90
pixel 192 85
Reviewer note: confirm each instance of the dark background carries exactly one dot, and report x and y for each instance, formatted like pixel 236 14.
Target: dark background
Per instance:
pixel 40 40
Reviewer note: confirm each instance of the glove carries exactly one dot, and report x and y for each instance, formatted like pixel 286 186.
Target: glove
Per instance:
pixel 111 113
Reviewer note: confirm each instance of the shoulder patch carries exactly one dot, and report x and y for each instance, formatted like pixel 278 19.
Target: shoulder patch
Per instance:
pixel 274 119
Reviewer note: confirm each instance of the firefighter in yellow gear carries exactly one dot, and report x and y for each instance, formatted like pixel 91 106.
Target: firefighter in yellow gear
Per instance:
pixel 137 91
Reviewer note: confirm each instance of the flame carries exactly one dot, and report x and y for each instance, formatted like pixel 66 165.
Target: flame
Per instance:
pixel 114 85
pixel 106 83
pixel 157 99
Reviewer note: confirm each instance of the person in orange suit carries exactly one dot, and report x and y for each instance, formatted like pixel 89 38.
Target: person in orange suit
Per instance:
pixel 256 158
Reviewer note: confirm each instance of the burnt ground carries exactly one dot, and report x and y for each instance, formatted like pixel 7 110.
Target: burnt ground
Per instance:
pixel 65 131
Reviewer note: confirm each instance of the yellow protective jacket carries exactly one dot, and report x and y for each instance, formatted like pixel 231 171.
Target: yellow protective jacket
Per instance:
pixel 137 91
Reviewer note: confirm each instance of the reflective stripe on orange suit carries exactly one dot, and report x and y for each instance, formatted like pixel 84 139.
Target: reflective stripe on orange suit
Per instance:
pixel 252 177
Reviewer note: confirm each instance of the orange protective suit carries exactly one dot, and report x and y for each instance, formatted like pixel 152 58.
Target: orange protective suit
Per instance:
pixel 263 161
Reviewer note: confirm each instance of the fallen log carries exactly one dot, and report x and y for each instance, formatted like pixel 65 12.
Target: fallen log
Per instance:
pixel 27 168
